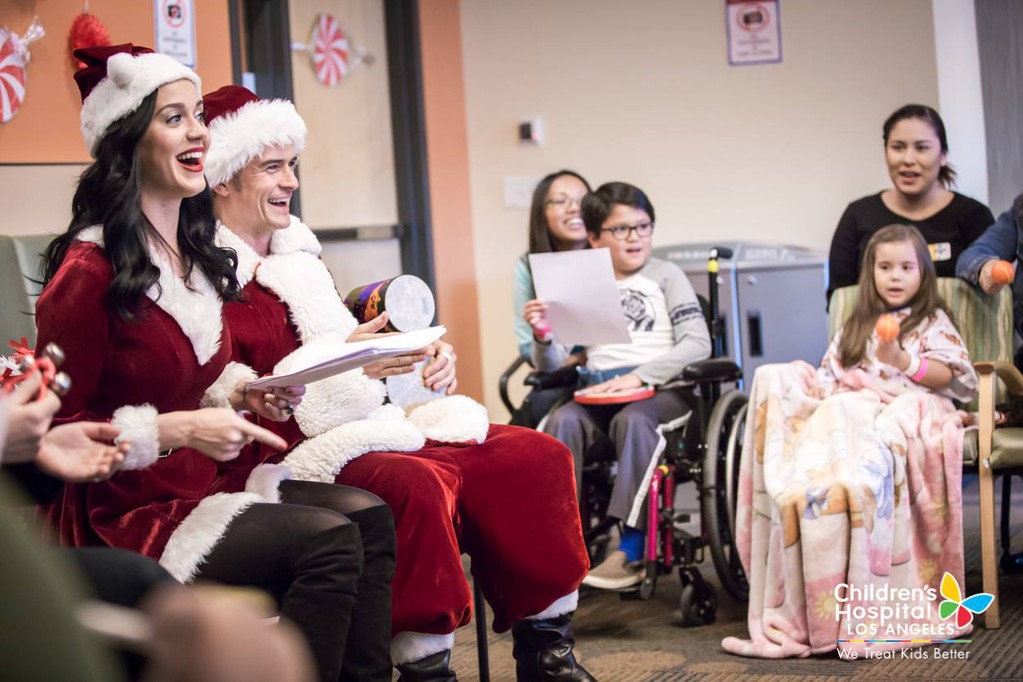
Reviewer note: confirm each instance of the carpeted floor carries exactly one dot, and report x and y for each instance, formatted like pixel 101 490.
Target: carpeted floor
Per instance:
pixel 625 641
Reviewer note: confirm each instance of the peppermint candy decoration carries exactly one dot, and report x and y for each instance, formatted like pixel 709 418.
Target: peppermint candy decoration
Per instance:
pixel 13 58
pixel 330 50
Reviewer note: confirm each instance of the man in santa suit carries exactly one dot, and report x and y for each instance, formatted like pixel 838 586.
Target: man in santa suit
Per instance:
pixel 454 482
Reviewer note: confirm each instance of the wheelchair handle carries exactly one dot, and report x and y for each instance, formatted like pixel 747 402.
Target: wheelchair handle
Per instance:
pixel 717 325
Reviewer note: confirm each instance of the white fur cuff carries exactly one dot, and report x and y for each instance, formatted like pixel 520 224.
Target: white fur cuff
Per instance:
pixel 560 607
pixel 265 481
pixel 138 425
pixel 219 394
pixel 414 646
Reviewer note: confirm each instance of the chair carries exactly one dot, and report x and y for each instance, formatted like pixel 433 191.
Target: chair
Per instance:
pixel 985 323
pixel 20 285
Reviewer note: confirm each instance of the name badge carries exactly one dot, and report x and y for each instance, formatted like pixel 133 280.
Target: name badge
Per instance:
pixel 940 251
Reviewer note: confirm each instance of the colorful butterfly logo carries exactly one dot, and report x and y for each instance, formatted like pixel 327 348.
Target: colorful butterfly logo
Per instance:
pixel 962 608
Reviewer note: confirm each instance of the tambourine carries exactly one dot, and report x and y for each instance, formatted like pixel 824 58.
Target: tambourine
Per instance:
pixel 407 300
pixel 25 360
pixel 614 398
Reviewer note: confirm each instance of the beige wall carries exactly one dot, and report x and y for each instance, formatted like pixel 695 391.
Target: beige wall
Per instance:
pixel 643 92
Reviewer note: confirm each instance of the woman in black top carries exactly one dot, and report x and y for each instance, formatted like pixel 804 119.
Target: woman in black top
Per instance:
pixel 916 151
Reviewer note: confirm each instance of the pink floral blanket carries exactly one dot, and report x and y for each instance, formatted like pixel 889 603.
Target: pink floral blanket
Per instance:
pixel 849 513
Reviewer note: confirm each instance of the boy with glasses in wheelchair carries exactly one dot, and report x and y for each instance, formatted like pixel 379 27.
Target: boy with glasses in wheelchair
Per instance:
pixel 667 331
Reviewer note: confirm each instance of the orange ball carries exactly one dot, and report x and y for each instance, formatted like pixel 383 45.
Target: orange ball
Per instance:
pixel 887 328
pixel 1002 272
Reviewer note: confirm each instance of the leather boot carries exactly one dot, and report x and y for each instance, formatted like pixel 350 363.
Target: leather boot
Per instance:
pixel 368 648
pixel 543 651
pixel 433 668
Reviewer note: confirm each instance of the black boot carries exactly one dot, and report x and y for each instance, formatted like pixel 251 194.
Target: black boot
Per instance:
pixel 368 648
pixel 543 651
pixel 433 668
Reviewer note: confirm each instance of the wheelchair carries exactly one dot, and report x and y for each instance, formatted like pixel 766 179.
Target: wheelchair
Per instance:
pixel 703 446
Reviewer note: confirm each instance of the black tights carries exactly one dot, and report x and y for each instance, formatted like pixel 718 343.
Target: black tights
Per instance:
pixel 326 552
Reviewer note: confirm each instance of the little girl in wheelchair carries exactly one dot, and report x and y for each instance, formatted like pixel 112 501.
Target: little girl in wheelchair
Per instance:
pixel 849 519
pixel 667 331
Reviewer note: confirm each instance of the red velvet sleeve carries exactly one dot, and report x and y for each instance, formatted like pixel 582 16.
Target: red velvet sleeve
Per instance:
pixel 72 313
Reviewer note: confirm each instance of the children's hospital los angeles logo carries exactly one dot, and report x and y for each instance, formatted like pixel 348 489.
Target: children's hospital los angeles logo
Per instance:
pixel 874 614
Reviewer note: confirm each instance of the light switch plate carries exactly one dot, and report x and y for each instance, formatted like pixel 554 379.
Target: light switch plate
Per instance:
pixel 518 190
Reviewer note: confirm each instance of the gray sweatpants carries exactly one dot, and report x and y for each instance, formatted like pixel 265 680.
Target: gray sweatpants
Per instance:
pixel 632 428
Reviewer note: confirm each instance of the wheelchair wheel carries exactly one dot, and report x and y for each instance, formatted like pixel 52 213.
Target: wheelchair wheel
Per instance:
pixel 719 494
pixel 699 601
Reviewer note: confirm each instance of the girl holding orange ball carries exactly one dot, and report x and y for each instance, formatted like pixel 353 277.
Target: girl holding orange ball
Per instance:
pixel 856 469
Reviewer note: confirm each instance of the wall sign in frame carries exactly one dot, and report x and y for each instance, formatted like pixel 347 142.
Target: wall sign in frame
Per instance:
pixel 174 28
pixel 753 28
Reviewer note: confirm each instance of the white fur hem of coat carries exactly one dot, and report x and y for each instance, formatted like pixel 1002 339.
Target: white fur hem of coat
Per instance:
pixel 414 646
pixel 219 394
pixel 138 425
pixel 199 533
pixel 559 607
pixel 265 481
pixel 322 457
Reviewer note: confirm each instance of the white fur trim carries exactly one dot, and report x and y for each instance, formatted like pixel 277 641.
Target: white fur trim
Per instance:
pixel 129 81
pixel 339 399
pixel 239 137
pixel 414 646
pixel 248 259
pixel 560 607
pixel 265 481
pixel 199 533
pixel 321 458
pixel 455 419
pixel 219 394
pixel 196 307
pixel 138 424
pixel 295 238
pixel 302 281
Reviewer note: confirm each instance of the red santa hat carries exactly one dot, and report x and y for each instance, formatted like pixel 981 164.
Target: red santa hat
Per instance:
pixel 116 79
pixel 242 125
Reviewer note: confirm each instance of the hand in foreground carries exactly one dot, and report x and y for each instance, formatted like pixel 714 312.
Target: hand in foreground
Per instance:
pixel 891 353
pixel 196 638
pixel 535 314
pixel 28 419
pixel 81 451
pixel 987 280
pixel 220 434
pixel 625 382
pixel 440 372
pixel 276 403
pixel 400 364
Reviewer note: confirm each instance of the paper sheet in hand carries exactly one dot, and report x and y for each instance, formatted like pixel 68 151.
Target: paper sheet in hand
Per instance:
pixel 579 287
pixel 355 355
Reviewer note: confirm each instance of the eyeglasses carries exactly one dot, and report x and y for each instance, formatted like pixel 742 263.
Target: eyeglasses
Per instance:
pixel 563 200
pixel 621 232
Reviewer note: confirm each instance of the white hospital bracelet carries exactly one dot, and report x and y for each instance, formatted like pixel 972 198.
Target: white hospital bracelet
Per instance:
pixel 914 366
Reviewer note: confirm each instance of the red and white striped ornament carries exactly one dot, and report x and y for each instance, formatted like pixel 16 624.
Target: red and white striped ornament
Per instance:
pixel 330 50
pixel 13 58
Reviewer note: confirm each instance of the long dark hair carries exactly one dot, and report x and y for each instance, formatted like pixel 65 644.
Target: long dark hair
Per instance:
pixel 109 194
pixel 539 232
pixel 946 174
pixel 852 347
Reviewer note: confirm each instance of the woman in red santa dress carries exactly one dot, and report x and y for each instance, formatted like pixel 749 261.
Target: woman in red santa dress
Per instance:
pixel 133 295
pixel 454 482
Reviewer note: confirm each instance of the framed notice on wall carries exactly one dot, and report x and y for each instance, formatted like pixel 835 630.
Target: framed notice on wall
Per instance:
pixel 754 31
pixel 175 29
